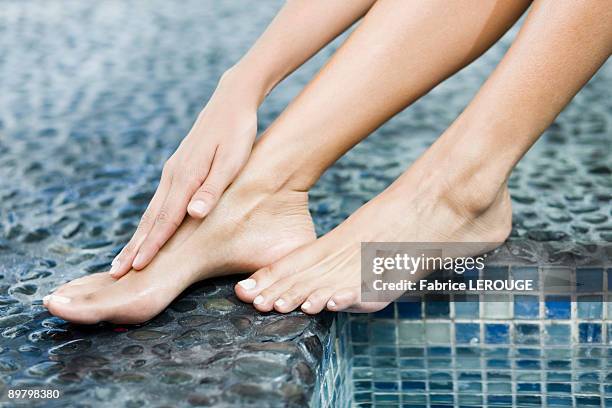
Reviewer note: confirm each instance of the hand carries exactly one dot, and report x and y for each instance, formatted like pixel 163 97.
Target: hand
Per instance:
pixel 193 179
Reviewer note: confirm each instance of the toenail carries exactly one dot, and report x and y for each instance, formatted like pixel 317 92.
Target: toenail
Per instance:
pixel 279 302
pixel 46 299
pixel 114 266
pixel 198 207
pixel 331 303
pixel 60 299
pixel 248 284
pixel 259 299
pixel 306 305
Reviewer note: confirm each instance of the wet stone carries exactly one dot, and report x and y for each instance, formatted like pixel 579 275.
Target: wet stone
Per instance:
pixel 133 350
pixel 188 338
pixel 45 369
pixel 27 289
pixel 176 377
pixel 51 334
pixel 283 329
pixel 15 331
pixel 7 365
pixel 72 347
pixel 183 306
pixel 255 367
pixel 146 335
pixel 195 320
pixel 161 350
pixel 14 320
pixel 220 305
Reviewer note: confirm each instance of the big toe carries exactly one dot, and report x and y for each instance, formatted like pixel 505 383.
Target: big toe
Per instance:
pixel 86 308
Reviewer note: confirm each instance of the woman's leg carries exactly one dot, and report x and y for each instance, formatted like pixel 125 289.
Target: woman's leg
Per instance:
pixel 391 59
pixel 455 192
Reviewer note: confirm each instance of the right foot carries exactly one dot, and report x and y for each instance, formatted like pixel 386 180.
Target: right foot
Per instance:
pixel 246 231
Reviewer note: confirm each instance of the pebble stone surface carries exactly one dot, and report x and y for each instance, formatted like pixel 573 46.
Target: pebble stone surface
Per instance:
pixel 94 98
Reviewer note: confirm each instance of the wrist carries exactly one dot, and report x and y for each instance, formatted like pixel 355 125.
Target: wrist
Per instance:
pixel 250 86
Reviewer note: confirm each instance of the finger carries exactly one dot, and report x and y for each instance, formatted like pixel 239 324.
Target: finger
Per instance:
pixel 222 172
pixel 169 218
pixel 123 262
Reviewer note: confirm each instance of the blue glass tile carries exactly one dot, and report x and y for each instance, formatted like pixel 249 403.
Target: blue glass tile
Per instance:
pixel 557 334
pixel 590 307
pixel 558 307
pixel 362 396
pixel 559 401
pixel 386 386
pixel 386 313
pixel 529 401
pixel 526 307
pixel 559 388
pixel 495 272
pixel 528 364
pixel 499 400
pixel 609 273
pixel 383 332
pixel 527 334
pixel 359 331
pixel 589 280
pixel 496 333
pixel 467 306
pixel 409 310
pixel 467 333
pixel 588 401
pixel 528 387
pixel 441 399
pixel 609 326
pixel 386 398
pixel 437 307
pixel 526 273
pixel 413 385
pixel 589 332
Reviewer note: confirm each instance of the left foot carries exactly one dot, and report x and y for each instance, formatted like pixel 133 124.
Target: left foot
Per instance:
pixel 326 274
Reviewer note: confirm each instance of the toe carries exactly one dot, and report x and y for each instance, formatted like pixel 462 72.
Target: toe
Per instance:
pixel 292 298
pixel 84 285
pixel 81 309
pixel 249 289
pixel 267 299
pixel 317 300
pixel 343 299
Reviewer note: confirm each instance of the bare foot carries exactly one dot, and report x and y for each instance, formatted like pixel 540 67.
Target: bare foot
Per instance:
pixel 247 230
pixel 325 274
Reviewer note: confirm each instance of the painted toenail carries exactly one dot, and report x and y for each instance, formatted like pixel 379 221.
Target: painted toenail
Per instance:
pixel 60 299
pixel 306 305
pixel 248 284
pixel 114 266
pixel 198 207
pixel 331 303
pixel 259 299
pixel 279 302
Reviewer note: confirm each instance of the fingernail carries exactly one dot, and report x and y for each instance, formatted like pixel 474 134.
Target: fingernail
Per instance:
pixel 279 302
pixel 60 299
pixel 138 260
pixel 198 207
pixel 248 284
pixel 306 305
pixel 259 299
pixel 114 266
pixel 331 303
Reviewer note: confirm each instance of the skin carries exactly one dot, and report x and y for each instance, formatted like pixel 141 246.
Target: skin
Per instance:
pixel 553 56
pixel 220 141
pixel 263 216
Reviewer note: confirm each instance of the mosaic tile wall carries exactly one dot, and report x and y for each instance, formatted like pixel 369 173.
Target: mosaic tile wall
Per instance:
pixel 528 350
